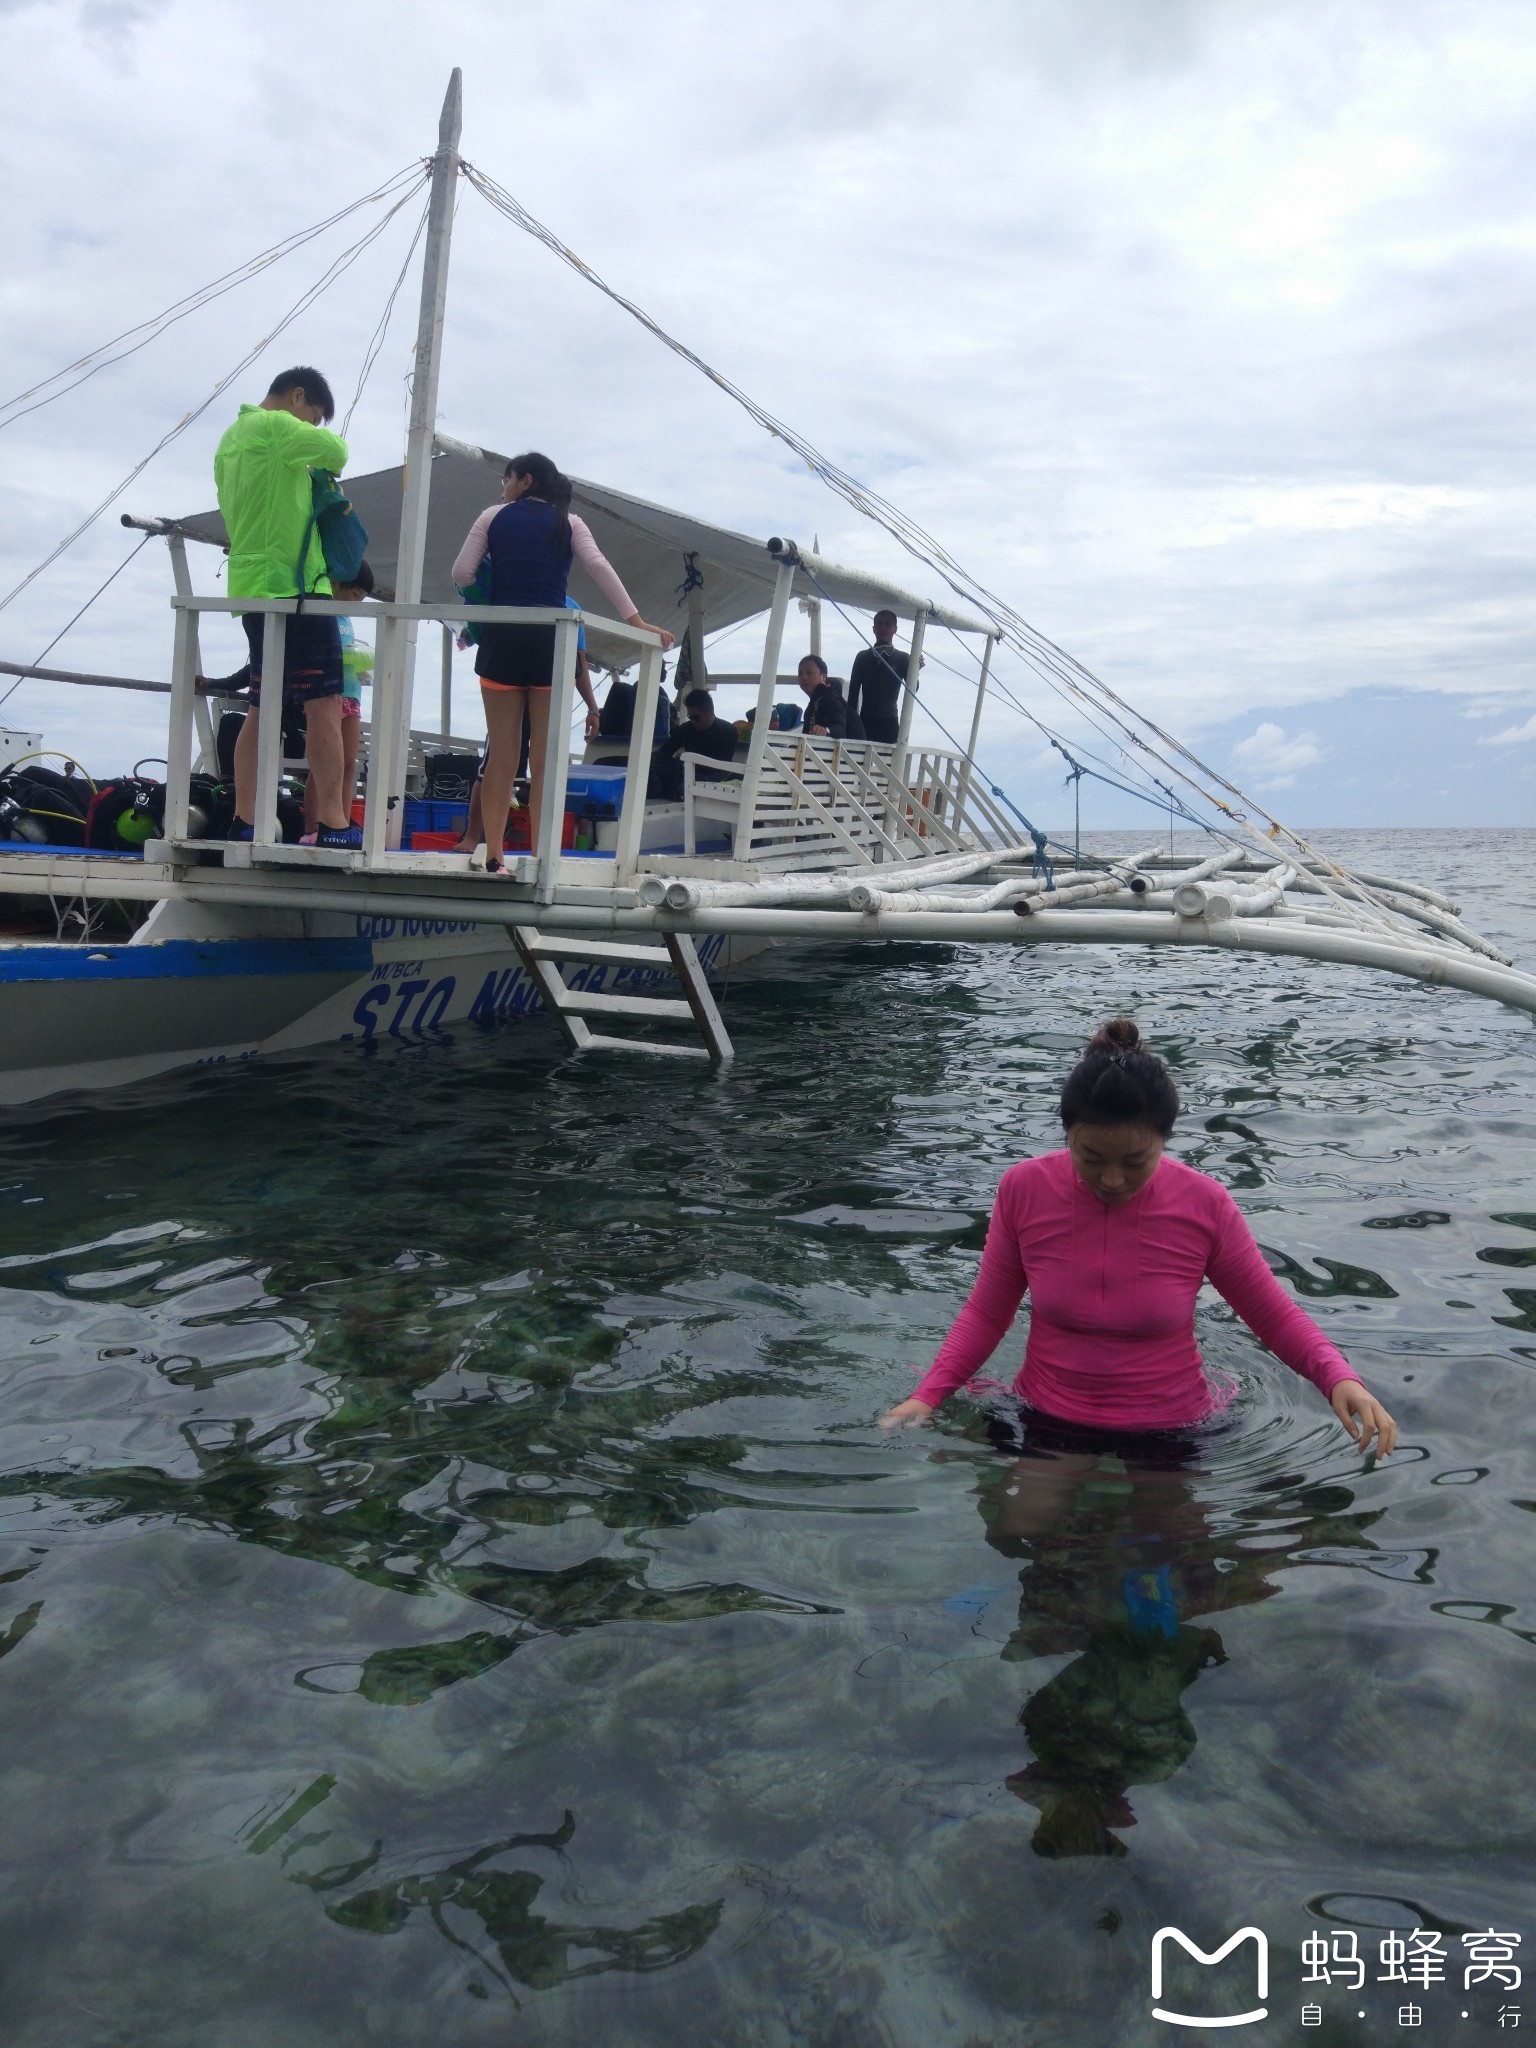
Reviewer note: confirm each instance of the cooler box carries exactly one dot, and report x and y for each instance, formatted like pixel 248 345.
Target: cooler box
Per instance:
pixel 599 784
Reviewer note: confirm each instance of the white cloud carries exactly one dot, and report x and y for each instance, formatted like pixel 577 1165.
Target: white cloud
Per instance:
pixel 1512 735
pixel 1272 760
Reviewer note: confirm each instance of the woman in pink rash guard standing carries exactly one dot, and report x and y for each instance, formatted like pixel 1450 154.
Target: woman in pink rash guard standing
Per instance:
pixel 1112 1241
pixel 532 536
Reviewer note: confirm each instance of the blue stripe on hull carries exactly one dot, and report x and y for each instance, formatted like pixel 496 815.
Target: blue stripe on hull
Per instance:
pixel 184 959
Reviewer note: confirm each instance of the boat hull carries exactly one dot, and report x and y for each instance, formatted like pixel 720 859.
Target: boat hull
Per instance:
pixel 99 1016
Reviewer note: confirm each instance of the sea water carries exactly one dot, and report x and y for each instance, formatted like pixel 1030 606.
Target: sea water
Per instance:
pixel 453 1589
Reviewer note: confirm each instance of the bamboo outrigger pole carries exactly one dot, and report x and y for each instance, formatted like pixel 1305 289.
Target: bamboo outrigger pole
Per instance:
pixel 395 660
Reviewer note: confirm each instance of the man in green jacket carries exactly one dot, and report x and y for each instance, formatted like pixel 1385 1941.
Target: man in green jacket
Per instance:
pixel 261 471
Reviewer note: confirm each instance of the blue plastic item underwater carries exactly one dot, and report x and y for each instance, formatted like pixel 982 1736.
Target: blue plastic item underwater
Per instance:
pixel 1150 1603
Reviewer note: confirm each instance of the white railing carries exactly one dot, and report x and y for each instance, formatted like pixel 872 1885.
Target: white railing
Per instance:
pixel 391 730
pixel 836 802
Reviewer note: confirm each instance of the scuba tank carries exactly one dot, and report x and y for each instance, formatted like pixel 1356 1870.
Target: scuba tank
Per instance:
pixel 42 807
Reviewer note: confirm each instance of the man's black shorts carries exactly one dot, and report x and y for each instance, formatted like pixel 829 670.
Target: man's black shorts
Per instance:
pixel 311 657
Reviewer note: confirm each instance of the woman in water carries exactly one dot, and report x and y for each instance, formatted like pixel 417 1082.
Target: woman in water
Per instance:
pixel 531 536
pixel 1113 1240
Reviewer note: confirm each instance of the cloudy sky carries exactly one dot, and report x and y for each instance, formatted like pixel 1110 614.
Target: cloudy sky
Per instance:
pixel 1200 329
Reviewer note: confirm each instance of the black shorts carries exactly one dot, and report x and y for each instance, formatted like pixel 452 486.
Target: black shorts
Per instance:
pixel 1023 1432
pixel 516 657
pixel 311 657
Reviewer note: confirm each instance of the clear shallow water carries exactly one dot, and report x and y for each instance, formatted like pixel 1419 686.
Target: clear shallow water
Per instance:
pixel 452 1591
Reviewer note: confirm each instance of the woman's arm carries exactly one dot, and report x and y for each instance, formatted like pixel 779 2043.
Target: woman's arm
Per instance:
pixel 1240 1275
pixel 584 688
pixel 466 562
pixel 984 1321
pixel 601 570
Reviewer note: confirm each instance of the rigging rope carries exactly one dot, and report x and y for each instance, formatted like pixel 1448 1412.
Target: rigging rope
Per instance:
pixel 97 359
pixel 79 615
pixel 371 355
pixel 302 304
pixel 1062 671
pixel 1041 839
pixel 1099 773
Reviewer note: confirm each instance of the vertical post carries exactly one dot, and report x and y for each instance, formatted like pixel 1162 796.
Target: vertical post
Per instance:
pixel 637 771
pixel 418 459
pixel 557 758
pixel 269 748
pixel 178 744
pixel 700 679
pixel 896 787
pixel 1077 817
pixel 383 733
pixel 811 606
pixel 445 698
pixel 181 576
pixel 962 794
pixel 768 682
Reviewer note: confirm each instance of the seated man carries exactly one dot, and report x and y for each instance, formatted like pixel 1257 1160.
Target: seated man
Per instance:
pixel 826 712
pixel 617 719
pixel 703 733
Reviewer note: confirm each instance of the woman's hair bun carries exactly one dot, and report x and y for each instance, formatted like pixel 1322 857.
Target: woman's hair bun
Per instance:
pixel 1118 1035
pixel 1119 1081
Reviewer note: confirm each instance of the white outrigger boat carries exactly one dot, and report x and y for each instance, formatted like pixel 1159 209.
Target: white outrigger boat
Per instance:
pixel 236 950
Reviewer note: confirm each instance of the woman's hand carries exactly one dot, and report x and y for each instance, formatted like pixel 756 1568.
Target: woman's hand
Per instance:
pixel 1364 1417
pixel 907 1414
pixel 594 724
pixel 667 639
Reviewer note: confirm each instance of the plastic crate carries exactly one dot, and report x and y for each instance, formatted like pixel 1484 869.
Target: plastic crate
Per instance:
pixel 434 842
pixel 422 814
pixel 517 832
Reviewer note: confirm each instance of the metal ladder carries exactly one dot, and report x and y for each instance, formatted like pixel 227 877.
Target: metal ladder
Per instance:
pixel 544 954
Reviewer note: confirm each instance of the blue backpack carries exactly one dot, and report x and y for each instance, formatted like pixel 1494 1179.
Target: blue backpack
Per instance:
pixel 343 536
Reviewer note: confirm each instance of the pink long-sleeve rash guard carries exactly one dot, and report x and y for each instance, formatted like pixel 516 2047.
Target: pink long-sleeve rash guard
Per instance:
pixel 584 549
pixel 1112 1290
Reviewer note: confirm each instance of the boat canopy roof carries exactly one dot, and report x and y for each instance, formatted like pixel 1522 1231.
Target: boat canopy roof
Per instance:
pixel 649 545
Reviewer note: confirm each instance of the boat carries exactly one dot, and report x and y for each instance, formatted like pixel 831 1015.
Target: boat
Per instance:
pixel 192 950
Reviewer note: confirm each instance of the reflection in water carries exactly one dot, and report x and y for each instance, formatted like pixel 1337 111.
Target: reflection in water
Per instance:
pixel 534 1950
pixel 1120 1559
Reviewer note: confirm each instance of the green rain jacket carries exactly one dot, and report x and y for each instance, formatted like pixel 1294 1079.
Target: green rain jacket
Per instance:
pixel 261 472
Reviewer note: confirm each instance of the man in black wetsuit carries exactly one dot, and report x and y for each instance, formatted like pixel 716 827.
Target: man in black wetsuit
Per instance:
pixel 702 733
pixel 875 681
pixel 826 712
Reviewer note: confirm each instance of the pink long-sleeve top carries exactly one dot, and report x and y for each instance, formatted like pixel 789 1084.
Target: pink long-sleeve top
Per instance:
pixel 584 549
pixel 1112 1291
